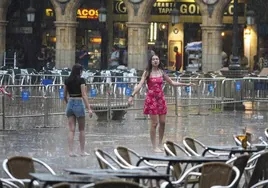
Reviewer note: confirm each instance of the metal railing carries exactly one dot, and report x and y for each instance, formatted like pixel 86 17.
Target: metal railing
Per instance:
pixel 44 102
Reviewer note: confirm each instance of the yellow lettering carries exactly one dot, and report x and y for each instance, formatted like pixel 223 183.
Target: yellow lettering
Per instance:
pixel 192 9
pixel 231 9
pixel 84 12
pixel 91 12
pixel 183 9
pixel 79 12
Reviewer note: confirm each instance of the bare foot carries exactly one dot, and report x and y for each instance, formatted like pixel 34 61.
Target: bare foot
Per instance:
pixel 85 154
pixel 157 150
pixel 73 155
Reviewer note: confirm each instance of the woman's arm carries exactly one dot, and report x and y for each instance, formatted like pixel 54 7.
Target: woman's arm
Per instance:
pixel 137 89
pixel 84 96
pixel 171 82
pixel 65 94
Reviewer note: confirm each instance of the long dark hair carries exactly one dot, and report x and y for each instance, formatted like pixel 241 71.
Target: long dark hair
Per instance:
pixel 150 66
pixel 76 72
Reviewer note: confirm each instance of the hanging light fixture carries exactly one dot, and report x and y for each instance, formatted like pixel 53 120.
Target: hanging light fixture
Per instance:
pixel 102 14
pixel 174 16
pixel 250 16
pixel 30 13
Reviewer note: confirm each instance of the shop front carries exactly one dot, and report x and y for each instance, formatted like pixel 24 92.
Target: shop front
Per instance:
pixel 163 36
pixel 87 33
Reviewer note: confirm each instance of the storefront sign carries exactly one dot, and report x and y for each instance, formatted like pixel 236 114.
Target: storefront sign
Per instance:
pixel 185 8
pixel 24 30
pixel 82 13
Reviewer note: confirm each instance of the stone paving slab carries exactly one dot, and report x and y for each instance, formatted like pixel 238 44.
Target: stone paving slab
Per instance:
pixel 50 144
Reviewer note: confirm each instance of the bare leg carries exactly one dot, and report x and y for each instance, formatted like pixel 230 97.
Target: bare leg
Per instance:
pixel 71 123
pixel 162 123
pixel 81 124
pixel 153 130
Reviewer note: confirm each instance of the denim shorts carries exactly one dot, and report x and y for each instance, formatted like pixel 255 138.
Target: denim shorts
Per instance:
pixel 75 107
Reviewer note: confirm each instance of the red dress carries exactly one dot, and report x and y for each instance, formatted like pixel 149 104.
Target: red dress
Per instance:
pixel 155 103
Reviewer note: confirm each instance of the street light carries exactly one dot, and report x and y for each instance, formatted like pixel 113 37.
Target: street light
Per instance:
pixel 102 14
pixel 104 38
pixel 30 13
pixel 250 16
pixel 174 16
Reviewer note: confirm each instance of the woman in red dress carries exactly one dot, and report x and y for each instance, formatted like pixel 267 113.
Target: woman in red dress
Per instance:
pixel 155 103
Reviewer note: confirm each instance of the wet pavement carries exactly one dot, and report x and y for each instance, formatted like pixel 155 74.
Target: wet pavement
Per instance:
pixel 50 144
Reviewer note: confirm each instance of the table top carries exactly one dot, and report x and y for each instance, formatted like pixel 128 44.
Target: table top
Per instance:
pixel 50 178
pixel 121 173
pixel 191 159
pixel 233 148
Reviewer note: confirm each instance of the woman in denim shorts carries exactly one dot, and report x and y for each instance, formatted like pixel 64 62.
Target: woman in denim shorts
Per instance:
pixel 75 89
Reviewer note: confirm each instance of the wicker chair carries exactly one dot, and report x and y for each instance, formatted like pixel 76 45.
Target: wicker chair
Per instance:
pixel 113 184
pixel 260 184
pixel 62 185
pixel 106 161
pixel 125 156
pixel 172 149
pixel 259 164
pixel 10 183
pixel 193 146
pixel 210 174
pixel 266 133
pixel 19 167
pixel 240 162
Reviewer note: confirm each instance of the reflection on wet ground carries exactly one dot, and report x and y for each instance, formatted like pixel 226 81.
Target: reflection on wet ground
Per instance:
pixel 50 144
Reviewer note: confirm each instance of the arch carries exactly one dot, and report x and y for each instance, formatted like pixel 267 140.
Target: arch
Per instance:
pixel 70 10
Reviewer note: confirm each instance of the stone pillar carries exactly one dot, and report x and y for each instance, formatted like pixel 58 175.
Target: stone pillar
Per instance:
pixel 65 44
pixel 212 16
pixel 211 48
pixel 138 17
pixel 65 31
pixel 3 24
pixel 2 40
pixel 137 44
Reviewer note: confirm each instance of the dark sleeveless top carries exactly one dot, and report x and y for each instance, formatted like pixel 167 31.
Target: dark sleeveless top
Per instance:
pixel 74 87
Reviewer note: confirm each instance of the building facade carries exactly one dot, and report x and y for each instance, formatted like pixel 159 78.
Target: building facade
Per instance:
pixel 65 25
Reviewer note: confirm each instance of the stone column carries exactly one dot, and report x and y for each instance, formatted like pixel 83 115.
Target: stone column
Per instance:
pixel 65 44
pixel 212 16
pixel 211 48
pixel 137 45
pixel 65 31
pixel 138 16
pixel 3 24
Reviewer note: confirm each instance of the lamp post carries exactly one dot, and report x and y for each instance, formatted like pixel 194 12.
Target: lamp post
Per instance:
pixel 104 38
pixel 30 13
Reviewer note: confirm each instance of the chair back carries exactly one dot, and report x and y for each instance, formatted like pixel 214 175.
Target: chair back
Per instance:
pixel 117 184
pixel 260 171
pixel 240 162
pixel 62 185
pixel 20 167
pixel 177 170
pixel 124 153
pixel 215 174
pixel 7 183
pixel 266 133
pixel 191 143
pixel 171 147
pixel 103 159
